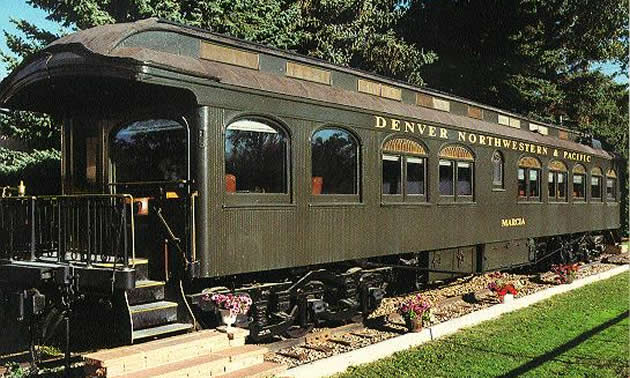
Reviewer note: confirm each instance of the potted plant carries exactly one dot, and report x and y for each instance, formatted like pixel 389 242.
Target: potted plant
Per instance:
pixel 416 312
pixel 565 273
pixel 504 290
pixel 229 306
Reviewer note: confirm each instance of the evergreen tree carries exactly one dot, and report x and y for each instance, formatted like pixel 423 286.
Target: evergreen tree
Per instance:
pixel 532 57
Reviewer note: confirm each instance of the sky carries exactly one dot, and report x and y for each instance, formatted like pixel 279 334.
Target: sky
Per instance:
pixel 19 9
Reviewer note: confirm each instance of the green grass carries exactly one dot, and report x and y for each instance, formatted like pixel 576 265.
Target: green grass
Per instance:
pixel 583 333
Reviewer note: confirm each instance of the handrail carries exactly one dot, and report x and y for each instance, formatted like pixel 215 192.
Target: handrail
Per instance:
pixel 85 226
pixel 138 183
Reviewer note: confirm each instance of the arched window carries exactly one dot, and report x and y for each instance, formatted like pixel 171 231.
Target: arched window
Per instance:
pixel 456 178
pixel 404 170
pixel 611 185
pixel 596 183
pixel 529 169
pixel 256 157
pixel 557 182
pixel 497 170
pixel 149 150
pixel 579 182
pixel 334 162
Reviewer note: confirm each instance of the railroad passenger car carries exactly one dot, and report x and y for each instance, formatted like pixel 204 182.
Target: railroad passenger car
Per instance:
pixel 194 161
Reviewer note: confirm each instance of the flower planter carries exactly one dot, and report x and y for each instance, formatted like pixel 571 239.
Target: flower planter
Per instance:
pixel 227 318
pixel 414 325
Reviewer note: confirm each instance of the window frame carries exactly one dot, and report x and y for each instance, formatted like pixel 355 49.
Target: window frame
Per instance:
pixel 527 198
pixel 455 197
pixel 501 163
pixel 403 158
pixel 584 183
pixel 597 173
pixel 611 175
pixel 555 173
pixel 111 133
pixel 336 198
pixel 237 199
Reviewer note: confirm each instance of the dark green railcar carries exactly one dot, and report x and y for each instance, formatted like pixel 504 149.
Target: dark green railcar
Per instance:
pixel 193 160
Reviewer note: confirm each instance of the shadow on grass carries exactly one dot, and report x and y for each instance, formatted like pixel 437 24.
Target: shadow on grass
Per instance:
pixel 552 355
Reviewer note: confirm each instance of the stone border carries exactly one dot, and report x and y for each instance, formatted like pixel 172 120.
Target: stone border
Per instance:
pixel 339 363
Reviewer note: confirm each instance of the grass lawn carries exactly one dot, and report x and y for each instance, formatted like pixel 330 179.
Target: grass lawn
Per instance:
pixel 583 333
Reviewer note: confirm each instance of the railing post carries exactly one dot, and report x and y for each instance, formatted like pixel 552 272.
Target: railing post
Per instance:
pixel 124 230
pixel 33 233
pixel 60 229
pixel 89 234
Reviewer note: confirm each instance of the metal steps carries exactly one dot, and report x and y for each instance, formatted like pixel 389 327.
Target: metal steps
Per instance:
pixel 146 291
pixel 154 313
pixel 161 331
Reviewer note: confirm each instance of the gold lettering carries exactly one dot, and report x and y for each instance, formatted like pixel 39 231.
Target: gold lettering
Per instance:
pixel 521 146
pixel 482 140
pixel 555 152
pixel 514 145
pixel 461 136
pixel 443 133
pixel 588 158
pixel 497 142
pixel 432 131
pixel 472 138
pixel 380 122
pixel 506 143
pixel 512 222
pixel 421 128
pixel 395 124
pixel 410 126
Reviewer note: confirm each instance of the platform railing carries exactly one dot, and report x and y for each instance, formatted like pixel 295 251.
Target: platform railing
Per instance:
pixel 82 229
pixel 16 228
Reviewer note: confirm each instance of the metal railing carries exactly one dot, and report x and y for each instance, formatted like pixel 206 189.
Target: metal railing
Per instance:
pixel 87 229
pixel 16 228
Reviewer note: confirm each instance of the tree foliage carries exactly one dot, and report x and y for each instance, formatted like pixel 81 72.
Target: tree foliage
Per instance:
pixel 358 33
pixel 533 57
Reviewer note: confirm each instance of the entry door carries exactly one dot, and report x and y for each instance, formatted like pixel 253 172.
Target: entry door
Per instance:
pixel 82 150
pixel 149 159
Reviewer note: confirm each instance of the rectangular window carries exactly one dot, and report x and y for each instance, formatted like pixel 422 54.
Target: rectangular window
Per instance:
pixel 551 185
pixel 578 186
pixel 534 183
pixel 446 178
pixel 464 179
pixel 596 189
pixel 391 174
pixel 415 176
pixel 562 186
pixel 522 183
pixel 611 189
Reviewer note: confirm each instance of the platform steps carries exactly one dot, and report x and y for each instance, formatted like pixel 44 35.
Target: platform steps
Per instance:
pixel 152 316
pixel 200 354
